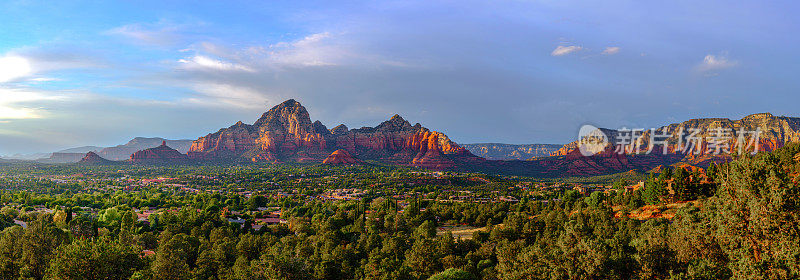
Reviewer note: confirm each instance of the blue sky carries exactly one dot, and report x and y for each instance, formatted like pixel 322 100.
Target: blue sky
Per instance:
pixel 78 73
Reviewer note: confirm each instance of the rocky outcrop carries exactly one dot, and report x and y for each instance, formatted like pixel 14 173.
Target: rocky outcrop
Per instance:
pixel 285 133
pixel 340 130
pixel 396 141
pixel 341 157
pixel 568 161
pixel 227 142
pixel 160 154
pixel 91 158
pixel 498 151
pixel 124 151
pixel 774 133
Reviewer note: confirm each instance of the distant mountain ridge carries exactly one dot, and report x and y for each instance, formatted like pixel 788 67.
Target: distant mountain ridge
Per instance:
pixel 285 133
pixel 24 157
pixel 124 151
pixel 775 132
pixel 500 151
pixel 81 150
pixel 116 153
pixel 62 158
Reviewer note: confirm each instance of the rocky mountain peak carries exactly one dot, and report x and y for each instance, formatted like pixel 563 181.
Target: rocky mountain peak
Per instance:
pixel 340 129
pixel 320 128
pixel 90 155
pixel 759 116
pixel 289 116
pixel 93 158
pixel 286 133
pixel 396 123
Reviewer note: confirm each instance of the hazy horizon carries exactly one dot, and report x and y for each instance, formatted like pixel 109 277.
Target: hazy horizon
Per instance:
pixel 329 127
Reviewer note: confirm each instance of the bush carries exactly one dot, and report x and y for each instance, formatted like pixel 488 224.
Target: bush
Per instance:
pixel 453 274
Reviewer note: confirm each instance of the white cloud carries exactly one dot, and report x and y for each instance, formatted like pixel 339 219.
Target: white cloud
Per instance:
pixel 565 50
pixel 715 62
pixel 161 33
pixel 226 95
pixel 29 63
pixel 14 67
pixel 45 79
pixel 206 63
pixel 7 112
pixel 610 50
pixel 313 50
pixel 12 103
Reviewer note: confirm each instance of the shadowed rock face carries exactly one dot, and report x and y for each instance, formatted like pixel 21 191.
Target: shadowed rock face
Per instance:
pixel 285 133
pixel 160 154
pixel 123 152
pixel 93 158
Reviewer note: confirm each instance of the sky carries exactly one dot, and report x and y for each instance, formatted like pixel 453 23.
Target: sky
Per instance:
pixel 75 73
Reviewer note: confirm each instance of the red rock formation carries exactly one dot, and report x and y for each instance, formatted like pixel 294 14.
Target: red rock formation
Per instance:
pixel 124 151
pixel 286 133
pixel 160 154
pixel 774 133
pixel 341 157
pixel 396 141
pixel 93 159
pixel 279 134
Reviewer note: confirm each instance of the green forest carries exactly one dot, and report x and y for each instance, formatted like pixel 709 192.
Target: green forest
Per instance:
pixel 743 224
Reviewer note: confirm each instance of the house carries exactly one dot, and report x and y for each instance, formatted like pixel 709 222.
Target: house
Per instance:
pixel 270 221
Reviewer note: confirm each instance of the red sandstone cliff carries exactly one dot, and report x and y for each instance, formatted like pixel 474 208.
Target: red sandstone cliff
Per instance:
pixel 286 133
pixel 774 133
